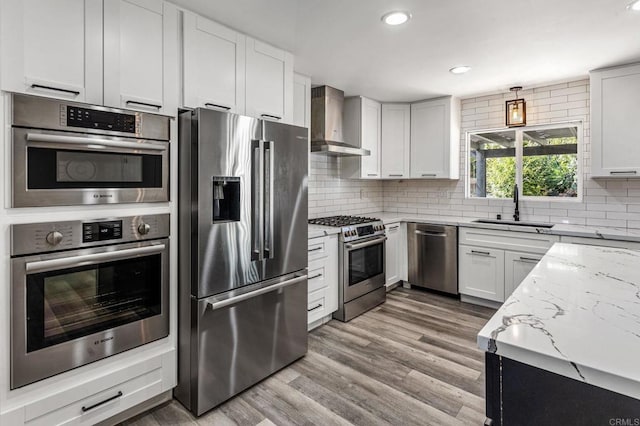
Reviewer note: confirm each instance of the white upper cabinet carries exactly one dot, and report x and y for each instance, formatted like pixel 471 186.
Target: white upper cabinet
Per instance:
pixel 214 65
pixel 269 82
pixel 615 104
pixel 435 139
pixel 52 48
pixel 134 55
pixel 395 140
pixel 362 129
pixel 301 101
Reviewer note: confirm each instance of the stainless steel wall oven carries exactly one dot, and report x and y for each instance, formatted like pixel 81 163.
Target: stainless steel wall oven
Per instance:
pixel 68 153
pixel 82 291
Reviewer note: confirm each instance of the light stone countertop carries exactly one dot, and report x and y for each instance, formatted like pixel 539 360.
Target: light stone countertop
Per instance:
pixel 577 314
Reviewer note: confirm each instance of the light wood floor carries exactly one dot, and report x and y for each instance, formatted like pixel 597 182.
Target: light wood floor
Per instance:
pixel 411 361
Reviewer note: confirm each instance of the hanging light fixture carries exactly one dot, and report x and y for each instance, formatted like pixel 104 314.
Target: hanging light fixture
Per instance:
pixel 516 110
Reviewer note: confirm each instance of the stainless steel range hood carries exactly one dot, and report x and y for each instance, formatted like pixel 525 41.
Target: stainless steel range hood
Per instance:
pixel 326 123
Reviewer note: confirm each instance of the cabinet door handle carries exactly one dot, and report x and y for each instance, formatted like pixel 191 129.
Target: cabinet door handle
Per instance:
pixel 314 277
pixel 529 259
pixel 428 175
pixel 315 249
pixel 624 172
pixel 275 117
pixel 396 175
pixel 144 104
pixel 211 105
pixel 314 308
pixel 372 174
pixel 393 227
pixel 96 405
pixel 481 253
pixel 56 89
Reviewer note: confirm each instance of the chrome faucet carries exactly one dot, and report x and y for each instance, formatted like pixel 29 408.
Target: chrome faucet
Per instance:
pixel 516 213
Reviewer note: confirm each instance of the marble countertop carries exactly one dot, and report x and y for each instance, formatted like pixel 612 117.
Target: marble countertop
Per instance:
pixel 577 314
pixel 316 231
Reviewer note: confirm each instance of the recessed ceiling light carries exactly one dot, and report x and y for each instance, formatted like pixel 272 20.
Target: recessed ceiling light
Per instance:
pixel 396 18
pixel 635 6
pixel 462 69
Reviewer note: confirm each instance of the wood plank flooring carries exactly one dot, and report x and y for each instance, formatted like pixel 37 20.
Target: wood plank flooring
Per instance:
pixel 411 361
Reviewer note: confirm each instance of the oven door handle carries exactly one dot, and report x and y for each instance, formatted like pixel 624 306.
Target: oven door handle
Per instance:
pixel 88 259
pixel 96 142
pixel 365 244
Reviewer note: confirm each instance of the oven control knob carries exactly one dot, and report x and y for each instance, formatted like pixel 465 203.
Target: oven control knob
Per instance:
pixel 144 228
pixel 54 238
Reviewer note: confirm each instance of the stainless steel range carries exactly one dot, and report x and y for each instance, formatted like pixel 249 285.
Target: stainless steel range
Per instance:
pixel 362 264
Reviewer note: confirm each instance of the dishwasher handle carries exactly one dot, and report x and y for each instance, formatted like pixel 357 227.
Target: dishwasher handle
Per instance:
pixel 431 234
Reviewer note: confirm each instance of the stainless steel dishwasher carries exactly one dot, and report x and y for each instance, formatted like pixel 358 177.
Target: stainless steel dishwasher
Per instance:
pixel 433 256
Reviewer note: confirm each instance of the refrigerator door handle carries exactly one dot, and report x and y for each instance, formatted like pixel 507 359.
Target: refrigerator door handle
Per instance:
pixel 268 199
pixel 257 200
pixel 268 289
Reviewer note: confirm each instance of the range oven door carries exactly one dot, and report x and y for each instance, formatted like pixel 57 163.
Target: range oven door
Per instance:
pixel 54 168
pixel 363 267
pixel 76 307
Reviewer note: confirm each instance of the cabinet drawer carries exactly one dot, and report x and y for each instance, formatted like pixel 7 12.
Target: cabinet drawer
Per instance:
pixel 318 248
pixel 318 271
pixel 508 240
pixel 316 307
pixel 104 404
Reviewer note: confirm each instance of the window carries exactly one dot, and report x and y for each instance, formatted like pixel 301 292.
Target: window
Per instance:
pixel 542 160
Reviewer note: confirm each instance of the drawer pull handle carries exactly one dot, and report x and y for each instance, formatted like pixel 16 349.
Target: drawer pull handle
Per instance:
pixel 624 172
pixel 481 253
pixel 91 407
pixel 529 259
pixel 396 175
pixel 428 175
pixel 314 277
pixel 315 307
pixel 372 174
pixel 210 105
pixel 394 227
pixel 315 249
pixel 55 89
pixel 144 104
pixel 274 117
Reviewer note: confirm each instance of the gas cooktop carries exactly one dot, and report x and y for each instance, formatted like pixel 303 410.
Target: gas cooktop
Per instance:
pixel 353 227
pixel 340 221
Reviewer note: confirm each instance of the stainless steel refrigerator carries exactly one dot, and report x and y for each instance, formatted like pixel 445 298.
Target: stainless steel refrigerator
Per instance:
pixel 242 253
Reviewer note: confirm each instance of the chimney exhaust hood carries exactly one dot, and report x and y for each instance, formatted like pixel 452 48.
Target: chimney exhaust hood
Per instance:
pixel 326 123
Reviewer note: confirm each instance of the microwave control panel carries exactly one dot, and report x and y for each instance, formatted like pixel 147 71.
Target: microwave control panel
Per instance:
pixel 101 231
pixel 88 118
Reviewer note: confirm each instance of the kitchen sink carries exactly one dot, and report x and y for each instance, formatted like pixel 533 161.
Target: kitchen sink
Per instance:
pixel 515 223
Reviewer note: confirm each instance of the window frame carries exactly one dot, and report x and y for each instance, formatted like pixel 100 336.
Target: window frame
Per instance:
pixel 518 146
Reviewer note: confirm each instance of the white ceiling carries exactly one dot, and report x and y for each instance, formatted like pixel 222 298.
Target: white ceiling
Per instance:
pixel 344 44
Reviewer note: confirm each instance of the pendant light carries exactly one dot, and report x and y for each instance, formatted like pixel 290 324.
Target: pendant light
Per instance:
pixel 516 110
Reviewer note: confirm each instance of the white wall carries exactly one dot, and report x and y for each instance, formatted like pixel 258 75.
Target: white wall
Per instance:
pixel 606 202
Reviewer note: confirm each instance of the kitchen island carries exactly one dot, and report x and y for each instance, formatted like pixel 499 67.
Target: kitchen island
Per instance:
pixel 565 347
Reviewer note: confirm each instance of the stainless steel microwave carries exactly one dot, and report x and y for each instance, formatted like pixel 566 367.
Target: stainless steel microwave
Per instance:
pixel 67 153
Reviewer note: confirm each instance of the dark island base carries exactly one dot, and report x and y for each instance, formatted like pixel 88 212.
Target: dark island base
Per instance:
pixel 528 395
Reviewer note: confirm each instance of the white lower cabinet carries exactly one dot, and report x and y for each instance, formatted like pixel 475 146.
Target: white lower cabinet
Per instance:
pixel 517 266
pixel 94 400
pixel 322 279
pixel 393 254
pixel 493 263
pixel 481 272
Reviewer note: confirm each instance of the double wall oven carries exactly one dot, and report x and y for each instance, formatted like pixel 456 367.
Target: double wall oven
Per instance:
pixel 67 153
pixel 361 263
pixel 84 290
